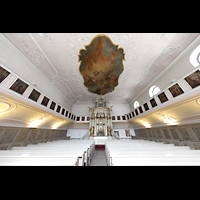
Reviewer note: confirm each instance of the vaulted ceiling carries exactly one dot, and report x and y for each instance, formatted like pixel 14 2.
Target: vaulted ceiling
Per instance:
pixel 55 55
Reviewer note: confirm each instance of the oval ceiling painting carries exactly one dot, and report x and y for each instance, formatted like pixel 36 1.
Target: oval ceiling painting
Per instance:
pixel 101 64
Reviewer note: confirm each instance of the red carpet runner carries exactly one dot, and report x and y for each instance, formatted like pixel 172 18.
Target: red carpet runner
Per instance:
pixel 99 147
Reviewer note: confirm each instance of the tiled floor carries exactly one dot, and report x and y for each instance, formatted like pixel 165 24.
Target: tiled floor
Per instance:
pixel 99 159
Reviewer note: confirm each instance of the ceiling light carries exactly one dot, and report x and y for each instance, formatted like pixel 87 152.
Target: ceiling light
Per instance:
pixel 33 84
pixel 172 81
pixel 55 126
pixel 147 125
pixel 167 119
pixel 35 123
pixel 173 123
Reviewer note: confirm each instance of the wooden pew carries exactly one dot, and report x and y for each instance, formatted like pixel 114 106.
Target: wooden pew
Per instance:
pixel 122 161
pixel 140 152
pixel 64 152
pixel 38 161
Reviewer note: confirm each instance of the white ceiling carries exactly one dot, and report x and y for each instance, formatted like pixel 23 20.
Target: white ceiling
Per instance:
pixel 56 56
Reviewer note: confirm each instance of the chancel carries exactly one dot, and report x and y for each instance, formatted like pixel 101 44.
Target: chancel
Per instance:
pixel 86 99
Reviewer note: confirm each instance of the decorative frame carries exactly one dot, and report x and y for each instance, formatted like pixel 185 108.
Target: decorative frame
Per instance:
pixel 34 95
pixel 53 104
pixel 146 107
pixel 140 109
pixel 58 109
pixel 193 79
pixel 45 101
pixel 19 86
pixel 176 90
pixel 3 73
pixel 153 103
pixel 162 97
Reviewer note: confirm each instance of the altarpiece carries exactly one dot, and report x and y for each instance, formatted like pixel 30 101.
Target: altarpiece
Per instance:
pixel 100 119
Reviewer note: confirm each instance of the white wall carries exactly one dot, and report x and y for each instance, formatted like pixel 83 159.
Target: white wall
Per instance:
pixel 77 133
pixel 120 109
pixel 117 109
pixel 78 130
pixel 121 127
pixel 122 132
pixel 81 110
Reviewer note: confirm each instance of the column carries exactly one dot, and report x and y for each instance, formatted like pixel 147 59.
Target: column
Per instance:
pixel 106 134
pixel 90 125
pixel 95 125
pixel 111 125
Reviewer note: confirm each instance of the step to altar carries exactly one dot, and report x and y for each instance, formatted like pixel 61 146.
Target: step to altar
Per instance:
pixel 99 147
pixel 101 140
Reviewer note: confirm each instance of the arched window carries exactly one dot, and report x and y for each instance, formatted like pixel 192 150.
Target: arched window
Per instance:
pixel 195 57
pixel 154 90
pixel 136 104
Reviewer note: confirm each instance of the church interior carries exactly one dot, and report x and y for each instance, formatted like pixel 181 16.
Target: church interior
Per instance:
pixel 99 99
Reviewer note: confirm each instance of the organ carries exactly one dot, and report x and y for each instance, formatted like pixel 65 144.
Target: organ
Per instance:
pixel 100 118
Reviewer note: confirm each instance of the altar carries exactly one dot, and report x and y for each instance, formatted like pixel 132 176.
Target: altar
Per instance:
pixel 100 140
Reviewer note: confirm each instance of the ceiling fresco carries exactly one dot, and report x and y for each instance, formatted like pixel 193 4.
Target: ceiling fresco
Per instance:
pixel 56 56
pixel 101 65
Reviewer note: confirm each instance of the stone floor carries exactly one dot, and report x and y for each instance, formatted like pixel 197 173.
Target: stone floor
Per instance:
pixel 99 159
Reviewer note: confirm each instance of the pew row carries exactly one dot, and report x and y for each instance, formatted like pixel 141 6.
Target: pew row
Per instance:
pixel 146 153
pixel 57 153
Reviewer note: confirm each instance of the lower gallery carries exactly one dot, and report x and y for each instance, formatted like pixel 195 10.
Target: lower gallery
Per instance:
pixel 90 99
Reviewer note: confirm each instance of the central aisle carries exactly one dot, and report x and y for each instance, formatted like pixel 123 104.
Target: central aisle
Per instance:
pixel 99 159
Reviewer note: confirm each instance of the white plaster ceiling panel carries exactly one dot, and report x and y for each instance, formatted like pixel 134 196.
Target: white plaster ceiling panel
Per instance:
pixel 56 56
